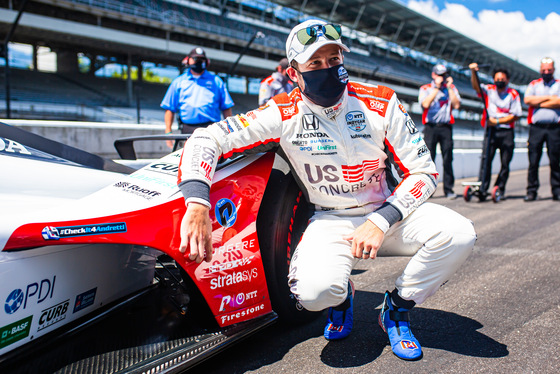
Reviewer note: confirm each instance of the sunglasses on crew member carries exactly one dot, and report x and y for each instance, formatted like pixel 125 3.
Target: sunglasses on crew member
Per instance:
pixel 310 34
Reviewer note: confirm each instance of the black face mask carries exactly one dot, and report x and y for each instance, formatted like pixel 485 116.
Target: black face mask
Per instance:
pixel 547 77
pixel 500 84
pixel 199 66
pixel 325 86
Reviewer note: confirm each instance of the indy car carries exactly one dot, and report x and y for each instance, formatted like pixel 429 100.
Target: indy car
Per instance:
pixel 90 272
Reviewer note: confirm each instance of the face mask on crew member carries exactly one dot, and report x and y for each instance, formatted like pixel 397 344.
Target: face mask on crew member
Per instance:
pixel 547 77
pixel 500 84
pixel 325 86
pixel 199 66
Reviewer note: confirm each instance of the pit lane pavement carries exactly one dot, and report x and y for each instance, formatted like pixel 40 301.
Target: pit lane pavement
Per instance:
pixel 499 313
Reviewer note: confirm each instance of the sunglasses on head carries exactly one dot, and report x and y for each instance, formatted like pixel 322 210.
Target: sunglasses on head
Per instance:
pixel 310 34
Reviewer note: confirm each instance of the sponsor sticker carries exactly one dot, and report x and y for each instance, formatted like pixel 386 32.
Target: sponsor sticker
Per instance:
pixel 423 150
pixel 416 191
pixel 226 212
pixel 309 122
pixel 411 126
pixel 137 190
pixel 235 277
pixel 35 293
pixel 56 233
pixel 407 344
pixel 13 332
pixel 356 120
pixel 243 313
pixel 84 300
pixel 52 315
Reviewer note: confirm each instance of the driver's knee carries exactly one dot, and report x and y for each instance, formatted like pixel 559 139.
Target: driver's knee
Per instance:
pixel 316 296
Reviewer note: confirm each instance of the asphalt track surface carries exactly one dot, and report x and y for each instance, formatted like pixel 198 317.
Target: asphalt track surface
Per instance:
pixel 500 313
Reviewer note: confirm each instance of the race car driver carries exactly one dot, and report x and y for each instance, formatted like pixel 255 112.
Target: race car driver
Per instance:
pixel 340 138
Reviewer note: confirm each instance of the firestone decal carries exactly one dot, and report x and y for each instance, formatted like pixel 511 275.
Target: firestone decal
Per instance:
pixel 246 312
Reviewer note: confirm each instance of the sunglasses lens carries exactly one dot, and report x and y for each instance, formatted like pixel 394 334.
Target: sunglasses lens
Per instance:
pixel 307 35
pixel 332 32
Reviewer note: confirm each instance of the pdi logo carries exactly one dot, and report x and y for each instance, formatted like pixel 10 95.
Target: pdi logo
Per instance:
pixel 35 292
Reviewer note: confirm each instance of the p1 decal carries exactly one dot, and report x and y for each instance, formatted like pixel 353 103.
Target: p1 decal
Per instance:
pixel 226 212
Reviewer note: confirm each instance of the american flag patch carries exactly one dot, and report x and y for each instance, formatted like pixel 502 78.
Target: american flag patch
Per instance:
pixel 207 168
pixel 407 344
pixel 417 189
pixel 335 328
pixel 355 173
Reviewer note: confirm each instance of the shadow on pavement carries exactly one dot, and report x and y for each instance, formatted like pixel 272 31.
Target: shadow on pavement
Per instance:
pixel 436 329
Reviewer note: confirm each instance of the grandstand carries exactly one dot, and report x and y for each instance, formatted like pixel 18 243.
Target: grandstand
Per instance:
pixel 390 44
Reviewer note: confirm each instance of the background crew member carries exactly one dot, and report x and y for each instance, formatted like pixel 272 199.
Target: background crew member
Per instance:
pixel 503 107
pixel 437 99
pixel 197 95
pixel 276 83
pixel 543 97
pixel 356 198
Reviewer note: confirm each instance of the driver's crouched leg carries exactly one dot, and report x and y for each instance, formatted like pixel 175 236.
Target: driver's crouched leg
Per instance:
pixel 439 241
pixel 321 265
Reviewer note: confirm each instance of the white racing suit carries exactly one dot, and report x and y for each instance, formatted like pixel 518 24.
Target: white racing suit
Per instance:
pixel 341 157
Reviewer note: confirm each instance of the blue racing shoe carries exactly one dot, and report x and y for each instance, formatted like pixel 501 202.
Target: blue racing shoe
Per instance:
pixel 394 321
pixel 340 319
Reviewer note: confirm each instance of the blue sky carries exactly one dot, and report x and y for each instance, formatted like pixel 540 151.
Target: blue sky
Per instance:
pixel 530 8
pixel 524 30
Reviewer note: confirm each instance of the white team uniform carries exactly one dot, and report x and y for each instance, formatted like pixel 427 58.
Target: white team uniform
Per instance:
pixel 341 158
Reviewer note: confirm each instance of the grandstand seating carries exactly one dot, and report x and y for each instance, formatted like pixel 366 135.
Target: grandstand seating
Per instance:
pixel 91 91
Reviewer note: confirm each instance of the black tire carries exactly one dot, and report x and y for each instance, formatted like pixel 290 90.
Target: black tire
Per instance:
pixel 283 217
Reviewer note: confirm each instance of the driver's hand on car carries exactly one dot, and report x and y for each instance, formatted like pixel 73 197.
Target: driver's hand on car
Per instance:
pixel 366 240
pixel 196 233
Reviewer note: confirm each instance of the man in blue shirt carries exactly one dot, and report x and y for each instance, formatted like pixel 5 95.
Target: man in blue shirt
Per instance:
pixel 199 96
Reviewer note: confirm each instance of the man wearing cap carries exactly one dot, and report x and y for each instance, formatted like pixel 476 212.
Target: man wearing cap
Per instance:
pixel 276 83
pixel 437 99
pixel 197 95
pixel 361 210
pixel 543 97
